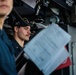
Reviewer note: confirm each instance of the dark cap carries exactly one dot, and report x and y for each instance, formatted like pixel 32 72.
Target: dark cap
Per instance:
pixel 18 20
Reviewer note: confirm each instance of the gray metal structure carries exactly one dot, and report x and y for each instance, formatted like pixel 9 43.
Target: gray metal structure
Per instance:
pixel 72 49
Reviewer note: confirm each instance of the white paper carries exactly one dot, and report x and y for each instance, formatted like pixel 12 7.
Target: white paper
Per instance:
pixel 57 60
pixel 47 50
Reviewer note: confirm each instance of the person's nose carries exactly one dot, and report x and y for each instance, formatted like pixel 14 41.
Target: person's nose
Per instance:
pixel 3 0
pixel 29 29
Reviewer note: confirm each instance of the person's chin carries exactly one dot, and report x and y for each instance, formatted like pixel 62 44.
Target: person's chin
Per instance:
pixel 27 39
pixel 4 13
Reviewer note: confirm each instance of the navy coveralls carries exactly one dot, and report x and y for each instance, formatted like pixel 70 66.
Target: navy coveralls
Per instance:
pixel 7 62
pixel 31 68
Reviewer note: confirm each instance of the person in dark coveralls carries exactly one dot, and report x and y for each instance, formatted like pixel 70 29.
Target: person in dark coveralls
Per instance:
pixel 7 61
pixel 21 34
pixel 21 30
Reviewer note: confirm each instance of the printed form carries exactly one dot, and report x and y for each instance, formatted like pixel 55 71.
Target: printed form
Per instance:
pixel 47 49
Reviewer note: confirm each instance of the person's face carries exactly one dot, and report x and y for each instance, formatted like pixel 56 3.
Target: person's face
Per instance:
pixel 5 7
pixel 23 33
